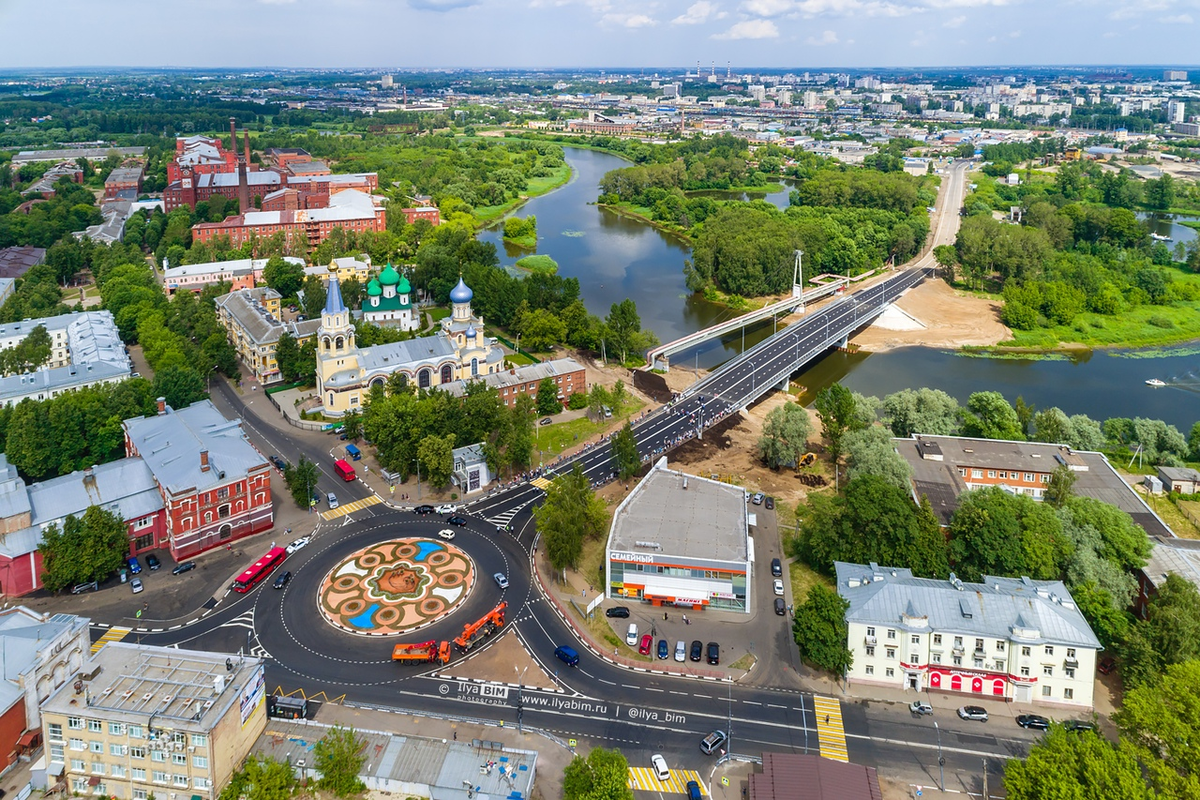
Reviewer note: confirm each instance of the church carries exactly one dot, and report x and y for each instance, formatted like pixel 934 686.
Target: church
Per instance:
pixel 346 373
pixel 389 302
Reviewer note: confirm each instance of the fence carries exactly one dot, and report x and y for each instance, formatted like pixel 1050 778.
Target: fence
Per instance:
pixel 303 424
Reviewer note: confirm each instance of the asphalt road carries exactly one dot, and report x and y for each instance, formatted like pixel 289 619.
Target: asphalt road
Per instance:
pixel 640 712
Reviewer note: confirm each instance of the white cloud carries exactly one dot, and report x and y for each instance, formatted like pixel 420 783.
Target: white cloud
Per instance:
pixel 1178 19
pixel 828 37
pixel 277 2
pixel 955 22
pixel 697 13
pixel 751 29
pixel 441 5
pixel 768 8
pixel 831 8
pixel 629 20
pixel 1014 35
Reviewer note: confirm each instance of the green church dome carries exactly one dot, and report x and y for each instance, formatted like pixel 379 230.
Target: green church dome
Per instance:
pixel 403 287
pixel 374 289
pixel 389 276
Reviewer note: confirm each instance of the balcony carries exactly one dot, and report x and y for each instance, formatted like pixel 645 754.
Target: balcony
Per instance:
pixel 870 640
pixel 957 650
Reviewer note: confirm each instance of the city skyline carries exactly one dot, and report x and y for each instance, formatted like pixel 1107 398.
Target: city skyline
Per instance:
pixel 772 34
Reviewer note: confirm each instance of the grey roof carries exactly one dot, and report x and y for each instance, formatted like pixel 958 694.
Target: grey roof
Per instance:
pixel 1178 556
pixel 410 355
pixel 90 153
pixel 518 375
pixel 443 768
pixel 114 212
pixel 171 442
pixel 707 519
pixel 25 632
pixel 1095 477
pixel 1180 474
pixel 471 453
pixel 124 175
pixel 237 266
pixel 260 178
pixel 125 487
pixel 13 388
pixel 14 496
pixel 16 261
pixel 890 596
pixel 95 350
pixel 256 322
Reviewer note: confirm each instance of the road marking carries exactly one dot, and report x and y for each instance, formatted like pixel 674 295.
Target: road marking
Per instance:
pixel 652 689
pixel 830 732
pixel 541 483
pixel 114 634
pixel 349 508
pixel 643 778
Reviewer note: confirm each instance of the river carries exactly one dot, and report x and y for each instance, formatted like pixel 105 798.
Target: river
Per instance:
pixel 614 257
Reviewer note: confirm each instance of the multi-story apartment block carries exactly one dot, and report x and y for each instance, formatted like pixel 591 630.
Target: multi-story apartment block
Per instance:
pixel 242 273
pixel 154 721
pixel 253 326
pixel 1016 639
pixel 350 210
pixel 85 349
pixel 215 486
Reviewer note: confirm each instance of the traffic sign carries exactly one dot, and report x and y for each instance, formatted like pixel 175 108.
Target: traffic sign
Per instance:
pixel 572 743
pixel 724 781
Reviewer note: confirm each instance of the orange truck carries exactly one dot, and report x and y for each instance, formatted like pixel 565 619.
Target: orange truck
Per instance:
pixel 423 653
pixel 481 629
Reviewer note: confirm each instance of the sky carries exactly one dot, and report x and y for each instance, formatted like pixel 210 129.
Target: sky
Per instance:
pixel 800 34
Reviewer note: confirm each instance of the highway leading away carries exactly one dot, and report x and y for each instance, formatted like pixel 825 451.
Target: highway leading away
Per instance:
pixel 598 701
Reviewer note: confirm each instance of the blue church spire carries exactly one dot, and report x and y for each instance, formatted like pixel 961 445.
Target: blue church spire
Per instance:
pixel 333 297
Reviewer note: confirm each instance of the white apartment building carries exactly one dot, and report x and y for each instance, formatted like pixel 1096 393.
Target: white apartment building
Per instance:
pixel 85 349
pixel 1016 639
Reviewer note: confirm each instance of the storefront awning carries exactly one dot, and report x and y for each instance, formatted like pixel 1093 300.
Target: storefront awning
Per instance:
pixel 700 590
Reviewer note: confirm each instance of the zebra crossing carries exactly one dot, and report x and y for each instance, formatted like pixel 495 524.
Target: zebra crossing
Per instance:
pixel 114 634
pixel 349 508
pixel 830 733
pixel 541 482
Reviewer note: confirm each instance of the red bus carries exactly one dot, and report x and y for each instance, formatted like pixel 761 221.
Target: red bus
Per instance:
pixel 343 469
pixel 259 570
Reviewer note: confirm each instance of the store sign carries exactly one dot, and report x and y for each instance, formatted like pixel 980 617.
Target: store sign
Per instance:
pixel 689 601
pixel 724 595
pixel 637 558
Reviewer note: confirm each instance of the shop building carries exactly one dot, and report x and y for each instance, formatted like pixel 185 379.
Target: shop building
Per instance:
pixel 681 540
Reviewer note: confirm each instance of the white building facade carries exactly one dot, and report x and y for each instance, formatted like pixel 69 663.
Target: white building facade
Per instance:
pixel 1004 638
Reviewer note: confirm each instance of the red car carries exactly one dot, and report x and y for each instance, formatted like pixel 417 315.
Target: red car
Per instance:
pixel 1107 665
pixel 644 647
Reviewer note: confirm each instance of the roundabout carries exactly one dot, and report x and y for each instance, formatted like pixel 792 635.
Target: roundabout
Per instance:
pixel 395 586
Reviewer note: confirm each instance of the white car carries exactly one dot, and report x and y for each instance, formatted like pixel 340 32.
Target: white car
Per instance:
pixel 448 508
pixel 446 533
pixel 659 765
pixel 680 651
pixel 777 586
pixel 631 636
pixel 500 580
pixel 299 544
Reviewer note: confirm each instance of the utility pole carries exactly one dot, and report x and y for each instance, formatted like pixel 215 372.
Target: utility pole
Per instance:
pixel 986 796
pixel 942 761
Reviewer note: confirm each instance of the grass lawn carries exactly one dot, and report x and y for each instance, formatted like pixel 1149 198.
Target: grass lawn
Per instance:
pixel 1173 514
pixel 438 314
pixel 535 187
pixel 551 440
pixel 803 578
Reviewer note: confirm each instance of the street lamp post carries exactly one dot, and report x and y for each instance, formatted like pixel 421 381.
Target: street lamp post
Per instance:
pixel 941 761
pixel 417 461
pixel 520 698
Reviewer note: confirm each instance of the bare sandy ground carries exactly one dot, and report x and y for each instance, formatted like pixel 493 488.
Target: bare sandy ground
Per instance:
pixel 950 319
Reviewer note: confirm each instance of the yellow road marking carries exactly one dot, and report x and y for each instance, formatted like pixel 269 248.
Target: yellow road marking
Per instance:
pixel 349 508
pixel 643 778
pixel 830 732
pixel 541 483
pixel 113 634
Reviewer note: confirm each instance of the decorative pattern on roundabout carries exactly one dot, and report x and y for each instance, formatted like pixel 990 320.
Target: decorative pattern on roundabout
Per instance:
pixel 395 586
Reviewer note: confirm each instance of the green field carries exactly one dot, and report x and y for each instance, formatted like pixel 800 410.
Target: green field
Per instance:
pixel 552 440
pixel 536 187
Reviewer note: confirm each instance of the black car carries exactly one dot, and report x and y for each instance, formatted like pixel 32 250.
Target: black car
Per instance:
pixel 617 612
pixel 186 566
pixel 282 579
pixel 776 568
pixel 423 510
pixel 1078 725
pixel 152 561
pixel 780 606
pixel 456 520
pixel 714 653
pixel 770 503
pixel 1033 722
pixel 697 651
pixel 278 462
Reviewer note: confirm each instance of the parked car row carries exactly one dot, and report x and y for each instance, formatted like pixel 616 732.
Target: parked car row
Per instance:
pixel 1037 722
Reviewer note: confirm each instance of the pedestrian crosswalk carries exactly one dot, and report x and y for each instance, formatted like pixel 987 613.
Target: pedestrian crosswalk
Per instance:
pixel 350 508
pixel 644 779
pixel 830 732
pixel 541 482
pixel 114 634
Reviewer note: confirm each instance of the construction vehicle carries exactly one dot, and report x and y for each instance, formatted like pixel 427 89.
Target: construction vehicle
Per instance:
pixel 481 629
pixel 808 459
pixel 423 653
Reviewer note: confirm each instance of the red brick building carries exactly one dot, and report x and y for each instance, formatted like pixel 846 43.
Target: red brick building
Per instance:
pixel 215 486
pixel 351 210
pixel 429 213
pixel 127 177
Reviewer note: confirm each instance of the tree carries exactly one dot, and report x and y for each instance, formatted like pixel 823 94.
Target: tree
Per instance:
pixel 547 398
pixel 947 258
pixel 1160 722
pixel 621 327
pixel 182 386
pixel 1062 481
pixel 29 354
pixel 314 297
pixel 339 757
pixel 542 330
pixel 283 276
pixel 870 452
pixel 989 416
pixel 838 413
pixel 1160 193
pixel 930 411
pixel 437 457
pixel 996 533
pixel 598 398
pixel 301 479
pixel 570 514
pixel 287 358
pixel 352 426
pixel 785 435
pixel 625 452
pixel 603 775
pixel 269 779
pixel 1169 635
pixel 1064 765
pixel 820 631
pixel 87 548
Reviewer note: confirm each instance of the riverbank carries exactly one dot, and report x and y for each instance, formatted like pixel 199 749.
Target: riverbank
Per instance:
pixel 490 215
pixel 640 213
pixel 935 315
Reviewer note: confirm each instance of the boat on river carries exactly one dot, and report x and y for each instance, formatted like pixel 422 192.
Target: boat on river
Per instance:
pixel 1155 382
pixel 1158 237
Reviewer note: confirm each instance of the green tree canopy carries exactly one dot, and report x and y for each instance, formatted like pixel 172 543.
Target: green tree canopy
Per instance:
pixel 570 514
pixel 870 451
pixel 989 416
pixel 603 775
pixel 993 532
pixel 437 458
pixel 930 411
pixel 784 439
pixel 819 628
pixel 301 479
pixel 1064 765
pixel 838 413
pixel 625 451
pixel 87 548
pixel 547 398
pixel 283 276
pixel 339 756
